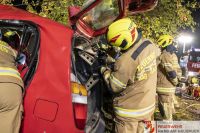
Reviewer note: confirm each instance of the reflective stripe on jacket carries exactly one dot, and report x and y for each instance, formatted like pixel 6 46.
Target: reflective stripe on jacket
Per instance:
pixel 133 80
pixel 166 90
pixel 6 71
pixel 134 113
pixel 117 82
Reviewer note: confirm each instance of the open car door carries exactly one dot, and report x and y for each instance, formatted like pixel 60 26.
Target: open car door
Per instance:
pixel 96 15
pixel 90 23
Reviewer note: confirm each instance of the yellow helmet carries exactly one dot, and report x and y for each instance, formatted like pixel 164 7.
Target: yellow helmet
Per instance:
pixel 10 33
pixel 195 80
pixel 165 40
pixel 122 33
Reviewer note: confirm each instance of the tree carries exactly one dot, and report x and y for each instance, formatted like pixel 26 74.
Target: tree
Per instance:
pixel 53 9
pixel 5 2
pixel 167 18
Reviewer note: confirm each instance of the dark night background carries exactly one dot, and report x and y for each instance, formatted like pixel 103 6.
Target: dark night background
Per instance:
pixel 196 16
pixel 196 35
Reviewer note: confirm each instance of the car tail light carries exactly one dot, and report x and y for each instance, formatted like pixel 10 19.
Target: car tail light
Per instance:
pixel 79 100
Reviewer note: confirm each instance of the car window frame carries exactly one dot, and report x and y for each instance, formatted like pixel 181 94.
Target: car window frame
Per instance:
pixel 23 24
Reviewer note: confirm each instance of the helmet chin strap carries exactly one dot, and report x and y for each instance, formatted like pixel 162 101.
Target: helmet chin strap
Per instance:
pixel 170 48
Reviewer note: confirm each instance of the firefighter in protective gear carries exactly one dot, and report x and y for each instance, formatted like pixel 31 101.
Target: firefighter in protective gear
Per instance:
pixel 133 79
pixel 11 86
pixel 168 73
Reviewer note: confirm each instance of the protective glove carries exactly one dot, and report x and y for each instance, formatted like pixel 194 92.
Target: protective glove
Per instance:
pixel 103 69
pixel 109 59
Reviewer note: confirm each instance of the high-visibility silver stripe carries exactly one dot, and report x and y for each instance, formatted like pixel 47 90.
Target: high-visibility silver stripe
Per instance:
pixel 134 113
pixel 6 71
pixel 117 82
pixel 76 98
pixel 9 71
pixel 160 89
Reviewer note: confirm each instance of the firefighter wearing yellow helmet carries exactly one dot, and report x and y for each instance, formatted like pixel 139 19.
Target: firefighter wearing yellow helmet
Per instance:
pixel 11 86
pixel 133 79
pixel 168 74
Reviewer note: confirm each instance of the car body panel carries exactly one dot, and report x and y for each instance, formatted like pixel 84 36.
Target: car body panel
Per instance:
pixel 47 101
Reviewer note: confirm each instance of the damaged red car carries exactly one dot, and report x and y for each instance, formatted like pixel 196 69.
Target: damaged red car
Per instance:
pixel 63 87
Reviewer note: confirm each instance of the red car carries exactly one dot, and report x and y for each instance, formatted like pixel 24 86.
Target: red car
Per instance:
pixel 62 86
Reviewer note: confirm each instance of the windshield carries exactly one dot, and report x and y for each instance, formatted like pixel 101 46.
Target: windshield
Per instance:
pixel 86 3
pixel 102 15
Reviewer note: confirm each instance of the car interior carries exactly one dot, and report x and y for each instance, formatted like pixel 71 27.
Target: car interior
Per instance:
pixel 27 45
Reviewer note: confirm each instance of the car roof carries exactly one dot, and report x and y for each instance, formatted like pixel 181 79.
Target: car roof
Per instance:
pixel 10 12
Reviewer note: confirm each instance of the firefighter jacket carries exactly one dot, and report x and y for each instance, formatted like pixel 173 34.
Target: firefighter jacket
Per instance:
pixel 133 80
pixel 168 71
pixel 8 69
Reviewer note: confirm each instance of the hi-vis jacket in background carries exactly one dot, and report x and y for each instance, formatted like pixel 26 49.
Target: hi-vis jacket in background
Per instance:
pixel 134 81
pixel 168 73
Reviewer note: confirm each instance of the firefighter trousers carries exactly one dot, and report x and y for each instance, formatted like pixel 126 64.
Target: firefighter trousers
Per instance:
pixel 10 107
pixel 176 104
pixel 166 106
pixel 128 125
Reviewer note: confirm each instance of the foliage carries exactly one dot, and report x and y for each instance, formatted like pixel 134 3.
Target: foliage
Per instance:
pixel 8 2
pixel 167 18
pixel 53 9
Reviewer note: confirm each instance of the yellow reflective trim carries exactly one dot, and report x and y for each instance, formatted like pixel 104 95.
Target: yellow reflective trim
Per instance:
pixel 8 68
pixel 160 89
pixel 117 82
pixel 134 113
pixel 7 71
pixel 9 74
